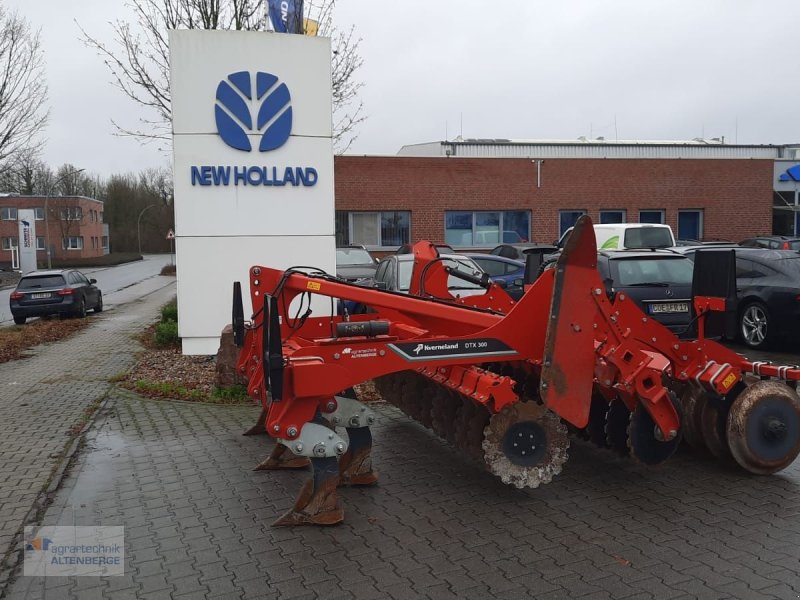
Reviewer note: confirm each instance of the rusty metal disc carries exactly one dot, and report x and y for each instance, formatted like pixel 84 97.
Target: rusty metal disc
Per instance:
pixel 763 427
pixel 713 418
pixel 644 440
pixel 692 401
pixel 596 427
pixel 525 444
pixel 617 418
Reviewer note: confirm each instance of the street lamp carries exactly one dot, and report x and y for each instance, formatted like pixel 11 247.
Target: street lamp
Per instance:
pixel 138 226
pixel 47 213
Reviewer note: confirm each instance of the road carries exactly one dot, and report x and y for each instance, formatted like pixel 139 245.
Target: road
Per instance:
pixel 120 284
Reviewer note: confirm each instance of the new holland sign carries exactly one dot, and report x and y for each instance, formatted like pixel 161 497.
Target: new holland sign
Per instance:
pixel 253 165
pixel 255 105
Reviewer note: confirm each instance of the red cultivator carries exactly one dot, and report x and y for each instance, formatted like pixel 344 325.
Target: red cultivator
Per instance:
pixel 502 381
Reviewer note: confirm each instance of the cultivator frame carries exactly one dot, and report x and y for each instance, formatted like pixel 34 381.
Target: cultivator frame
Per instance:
pixel 500 380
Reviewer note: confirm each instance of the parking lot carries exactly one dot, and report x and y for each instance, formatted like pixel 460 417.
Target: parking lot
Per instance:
pixel 197 520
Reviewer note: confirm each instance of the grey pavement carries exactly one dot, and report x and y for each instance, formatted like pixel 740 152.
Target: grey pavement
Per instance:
pixel 197 520
pixel 44 401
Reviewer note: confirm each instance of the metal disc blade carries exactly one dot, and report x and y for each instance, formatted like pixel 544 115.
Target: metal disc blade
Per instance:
pixel 617 419
pixel 643 441
pixel 763 427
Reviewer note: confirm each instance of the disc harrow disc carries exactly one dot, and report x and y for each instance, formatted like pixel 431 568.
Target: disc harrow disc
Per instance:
pixel 644 440
pixel 617 418
pixel 692 401
pixel 596 428
pixel 714 422
pixel 763 427
pixel 525 445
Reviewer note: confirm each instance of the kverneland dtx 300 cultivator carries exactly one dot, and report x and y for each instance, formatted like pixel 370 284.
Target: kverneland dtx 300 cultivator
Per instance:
pixel 505 382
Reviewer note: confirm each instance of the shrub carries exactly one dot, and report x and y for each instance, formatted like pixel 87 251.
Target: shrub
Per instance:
pixel 167 334
pixel 169 312
pixel 168 270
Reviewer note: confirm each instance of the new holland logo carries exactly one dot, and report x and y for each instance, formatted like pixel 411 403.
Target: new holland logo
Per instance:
pixel 241 110
pixel 792 174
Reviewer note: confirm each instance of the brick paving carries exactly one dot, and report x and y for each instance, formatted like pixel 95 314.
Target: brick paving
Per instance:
pixel 178 477
pixel 43 400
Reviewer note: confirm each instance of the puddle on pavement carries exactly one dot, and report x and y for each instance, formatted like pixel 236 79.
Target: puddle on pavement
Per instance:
pixel 96 475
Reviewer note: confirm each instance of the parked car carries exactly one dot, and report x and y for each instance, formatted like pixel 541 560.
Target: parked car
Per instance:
pixel 519 251
pixel 659 281
pixel 354 262
pixel 768 290
pixel 43 293
pixel 618 236
pixel 772 242
pixel 505 272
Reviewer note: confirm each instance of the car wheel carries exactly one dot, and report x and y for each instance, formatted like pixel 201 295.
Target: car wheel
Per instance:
pixel 81 312
pixel 20 320
pixel 754 325
pixel 99 307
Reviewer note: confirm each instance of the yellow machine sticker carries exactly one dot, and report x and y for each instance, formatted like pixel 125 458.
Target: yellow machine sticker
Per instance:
pixel 729 380
pixel 314 286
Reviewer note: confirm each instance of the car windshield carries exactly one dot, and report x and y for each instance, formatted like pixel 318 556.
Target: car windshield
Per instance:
pixel 648 237
pixel 653 271
pixel 353 256
pixel 462 264
pixel 40 281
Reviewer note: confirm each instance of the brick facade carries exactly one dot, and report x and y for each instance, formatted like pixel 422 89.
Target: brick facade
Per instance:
pixel 85 225
pixel 735 195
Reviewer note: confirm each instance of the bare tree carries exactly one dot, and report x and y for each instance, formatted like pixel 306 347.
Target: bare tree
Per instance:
pixel 23 91
pixel 138 59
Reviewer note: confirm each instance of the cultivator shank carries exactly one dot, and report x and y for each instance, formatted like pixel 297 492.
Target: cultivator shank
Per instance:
pixel 503 382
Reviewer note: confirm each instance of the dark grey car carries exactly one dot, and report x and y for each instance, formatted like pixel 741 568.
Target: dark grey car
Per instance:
pixel 43 293
pixel 354 263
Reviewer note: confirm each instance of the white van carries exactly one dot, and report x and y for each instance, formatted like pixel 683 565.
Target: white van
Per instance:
pixel 617 236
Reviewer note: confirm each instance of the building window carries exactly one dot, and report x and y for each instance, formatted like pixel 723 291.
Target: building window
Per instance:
pixel 375 229
pixel 690 224
pixel 105 241
pixel 100 217
pixel 567 219
pixel 8 213
pixel 73 243
pixel 72 213
pixel 9 242
pixel 612 216
pixel 651 216
pixel 38 213
pixel 486 228
pixel 40 243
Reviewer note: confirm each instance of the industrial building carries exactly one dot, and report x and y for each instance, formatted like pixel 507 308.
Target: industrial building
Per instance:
pixel 478 193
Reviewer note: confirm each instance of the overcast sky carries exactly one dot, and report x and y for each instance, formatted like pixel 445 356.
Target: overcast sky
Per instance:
pixel 630 69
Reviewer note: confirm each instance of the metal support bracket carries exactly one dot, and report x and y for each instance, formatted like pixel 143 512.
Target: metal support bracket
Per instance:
pixel 350 413
pixel 316 441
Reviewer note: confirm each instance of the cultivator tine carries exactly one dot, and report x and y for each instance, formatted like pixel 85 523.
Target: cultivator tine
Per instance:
pixel 318 501
pixel 282 458
pixel 355 465
pixel 260 426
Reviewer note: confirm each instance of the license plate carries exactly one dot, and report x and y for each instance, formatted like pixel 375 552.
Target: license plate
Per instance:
pixel 38 296
pixel 669 307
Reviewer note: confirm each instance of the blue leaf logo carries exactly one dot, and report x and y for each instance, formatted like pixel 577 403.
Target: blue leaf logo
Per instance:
pixel 236 105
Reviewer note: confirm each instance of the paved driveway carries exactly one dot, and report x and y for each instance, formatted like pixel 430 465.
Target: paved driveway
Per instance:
pixel 178 477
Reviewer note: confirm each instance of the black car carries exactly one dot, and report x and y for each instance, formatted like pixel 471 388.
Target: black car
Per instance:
pixel 354 262
pixel 505 272
pixel 659 281
pixel 772 242
pixel 768 291
pixel 43 293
